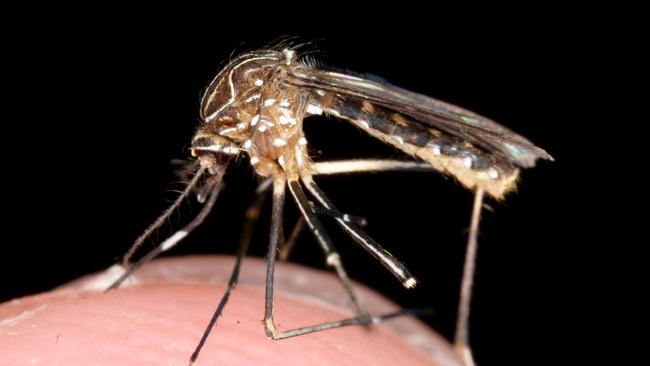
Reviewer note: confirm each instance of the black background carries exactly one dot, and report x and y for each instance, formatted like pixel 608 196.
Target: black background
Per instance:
pixel 107 100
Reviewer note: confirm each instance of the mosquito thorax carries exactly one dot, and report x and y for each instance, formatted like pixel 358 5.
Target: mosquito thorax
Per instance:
pixel 249 108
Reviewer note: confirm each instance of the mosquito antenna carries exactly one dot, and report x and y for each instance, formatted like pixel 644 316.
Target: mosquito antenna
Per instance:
pixel 172 240
pixel 126 261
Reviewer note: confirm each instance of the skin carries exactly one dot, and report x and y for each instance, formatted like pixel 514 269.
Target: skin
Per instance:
pixel 158 318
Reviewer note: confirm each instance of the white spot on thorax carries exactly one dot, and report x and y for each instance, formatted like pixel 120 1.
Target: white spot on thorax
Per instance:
pixel 254 160
pixel 299 159
pixel 287 120
pixel 285 103
pixel 252 98
pixel 262 128
pixel 227 131
pixel 248 144
pixel 302 141
pixel 493 173
pixel 241 126
pixel 267 123
pixel 255 119
pixel 259 82
pixel 269 102
pixel 279 142
pixel 288 55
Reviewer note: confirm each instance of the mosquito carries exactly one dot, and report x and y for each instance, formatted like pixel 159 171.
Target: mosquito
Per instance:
pixel 256 106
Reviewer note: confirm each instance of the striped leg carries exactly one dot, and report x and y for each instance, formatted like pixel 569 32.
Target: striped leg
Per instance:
pixel 332 257
pixel 361 238
pixel 252 214
pixel 173 240
pixel 350 167
pixel 269 324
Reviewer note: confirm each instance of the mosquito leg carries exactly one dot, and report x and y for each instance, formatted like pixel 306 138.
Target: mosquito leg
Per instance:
pixel 343 167
pixel 279 184
pixel 461 338
pixel 368 165
pixel 162 218
pixel 287 246
pixel 357 220
pixel 269 324
pixel 332 257
pixel 359 320
pixel 172 240
pixel 252 215
pixel 387 259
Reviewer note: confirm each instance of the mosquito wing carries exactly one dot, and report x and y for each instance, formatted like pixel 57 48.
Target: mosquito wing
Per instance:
pixel 482 132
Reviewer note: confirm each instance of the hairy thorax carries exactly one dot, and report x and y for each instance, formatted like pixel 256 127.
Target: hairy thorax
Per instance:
pixel 249 108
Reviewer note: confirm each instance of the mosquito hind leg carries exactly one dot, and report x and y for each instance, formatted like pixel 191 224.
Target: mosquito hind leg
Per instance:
pixel 336 167
pixel 461 339
pixel 269 324
pixel 287 246
pixel 332 256
pixel 361 238
pixel 279 186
